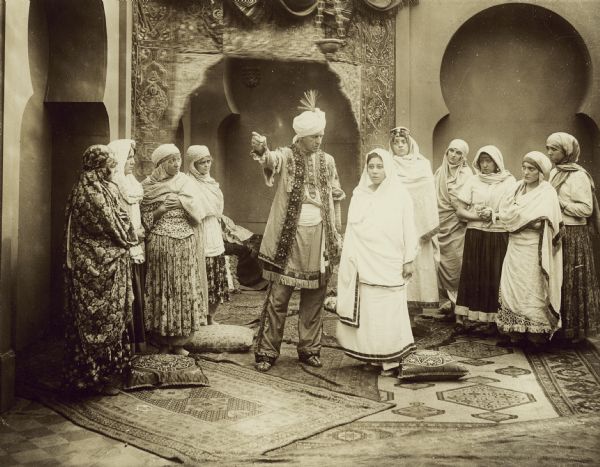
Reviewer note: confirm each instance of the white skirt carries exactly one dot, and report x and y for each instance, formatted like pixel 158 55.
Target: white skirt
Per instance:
pixel 523 297
pixel 423 285
pixel 383 333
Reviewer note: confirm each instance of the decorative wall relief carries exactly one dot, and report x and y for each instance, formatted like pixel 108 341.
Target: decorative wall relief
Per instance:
pixel 163 31
pixel 174 43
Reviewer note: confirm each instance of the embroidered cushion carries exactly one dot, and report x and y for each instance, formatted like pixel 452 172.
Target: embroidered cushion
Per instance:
pixel 221 338
pixel 430 365
pixel 164 370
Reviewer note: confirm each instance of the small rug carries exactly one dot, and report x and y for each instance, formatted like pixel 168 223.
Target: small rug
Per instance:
pixel 242 414
pixel 339 373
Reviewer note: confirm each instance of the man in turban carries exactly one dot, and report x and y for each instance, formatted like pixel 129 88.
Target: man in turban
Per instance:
pixel 301 242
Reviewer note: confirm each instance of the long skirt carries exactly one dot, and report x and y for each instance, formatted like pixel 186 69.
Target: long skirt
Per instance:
pixel 451 239
pixel 383 333
pixel 478 290
pixel 216 273
pixel 580 304
pixel 137 331
pixel 423 286
pixel 523 295
pixel 173 299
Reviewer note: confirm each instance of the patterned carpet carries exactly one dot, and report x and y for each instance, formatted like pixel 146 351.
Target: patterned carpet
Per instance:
pixel 242 414
pixel 339 372
pixel 504 386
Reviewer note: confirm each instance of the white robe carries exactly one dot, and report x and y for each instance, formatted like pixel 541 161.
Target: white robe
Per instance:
pixel 372 300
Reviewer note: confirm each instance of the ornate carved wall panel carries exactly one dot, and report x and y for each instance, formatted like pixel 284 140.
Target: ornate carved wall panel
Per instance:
pixel 174 43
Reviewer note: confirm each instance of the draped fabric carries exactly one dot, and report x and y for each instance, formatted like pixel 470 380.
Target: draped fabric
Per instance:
pixel 533 256
pixel 98 289
pixel 176 295
pixel 380 238
pixel 383 5
pixel 568 166
pixel 130 189
pixel 299 7
pixel 449 179
pixel 414 170
pixel 210 198
pixel 497 177
pixel 158 186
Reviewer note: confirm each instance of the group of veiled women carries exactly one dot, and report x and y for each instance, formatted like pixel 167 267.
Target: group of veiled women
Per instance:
pixel 510 256
pixel 513 257
pixel 140 258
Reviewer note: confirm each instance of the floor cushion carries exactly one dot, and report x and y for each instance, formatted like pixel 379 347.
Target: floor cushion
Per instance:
pixel 221 338
pixel 430 365
pixel 164 370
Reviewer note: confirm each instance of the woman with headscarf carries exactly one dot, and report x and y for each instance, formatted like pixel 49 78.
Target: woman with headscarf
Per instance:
pixel 97 270
pixel 380 245
pixel 414 171
pixel 486 240
pixel 200 160
pixel 130 195
pixel 174 296
pixel 449 179
pixel 580 307
pixel 532 271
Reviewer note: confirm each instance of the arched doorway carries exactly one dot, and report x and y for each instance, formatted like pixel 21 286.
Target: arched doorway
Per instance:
pixel 241 95
pixel 510 76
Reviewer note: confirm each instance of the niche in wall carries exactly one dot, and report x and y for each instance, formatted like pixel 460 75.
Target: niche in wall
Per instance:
pixel 510 76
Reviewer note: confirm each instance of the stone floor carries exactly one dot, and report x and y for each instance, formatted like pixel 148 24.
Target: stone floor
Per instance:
pixel 500 392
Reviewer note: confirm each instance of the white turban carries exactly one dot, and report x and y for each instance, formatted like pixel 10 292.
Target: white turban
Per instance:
pixel 198 151
pixel 162 152
pixel 540 161
pixel 309 123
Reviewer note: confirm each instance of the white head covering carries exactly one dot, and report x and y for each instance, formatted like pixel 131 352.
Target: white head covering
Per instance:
pixel 540 161
pixel 309 122
pixel 380 237
pixel 162 152
pixel 496 155
pixel 568 143
pixel 197 152
pixel 131 190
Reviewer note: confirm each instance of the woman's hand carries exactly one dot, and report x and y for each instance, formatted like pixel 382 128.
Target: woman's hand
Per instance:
pixel 172 202
pixel 485 213
pixel 408 270
pixel 140 233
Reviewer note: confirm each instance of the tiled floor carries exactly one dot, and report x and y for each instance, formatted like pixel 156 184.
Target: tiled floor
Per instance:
pixel 31 434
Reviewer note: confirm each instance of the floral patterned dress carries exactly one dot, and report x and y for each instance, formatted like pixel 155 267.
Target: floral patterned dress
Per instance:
pixel 173 297
pixel 97 273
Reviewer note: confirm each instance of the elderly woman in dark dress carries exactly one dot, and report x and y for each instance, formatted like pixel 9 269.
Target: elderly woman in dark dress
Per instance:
pixel 97 270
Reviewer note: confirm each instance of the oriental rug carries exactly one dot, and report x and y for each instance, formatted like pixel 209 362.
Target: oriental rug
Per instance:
pixel 339 373
pixel 242 414
pixel 505 387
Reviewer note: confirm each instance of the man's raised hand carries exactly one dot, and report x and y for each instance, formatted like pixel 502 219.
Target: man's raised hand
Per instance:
pixel 259 145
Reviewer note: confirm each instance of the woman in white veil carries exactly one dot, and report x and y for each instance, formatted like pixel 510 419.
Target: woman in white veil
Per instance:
pixel 380 245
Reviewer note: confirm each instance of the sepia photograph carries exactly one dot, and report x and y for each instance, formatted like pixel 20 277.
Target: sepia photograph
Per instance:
pixel 300 232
